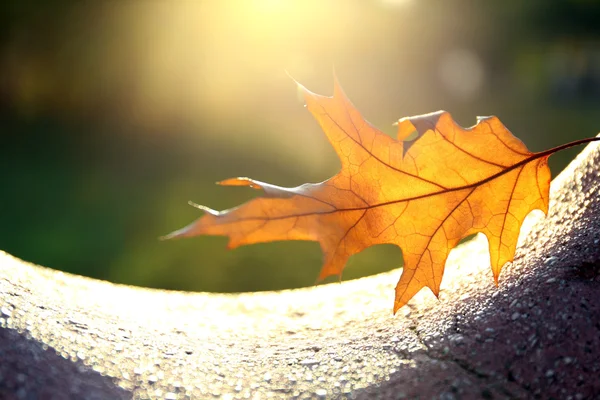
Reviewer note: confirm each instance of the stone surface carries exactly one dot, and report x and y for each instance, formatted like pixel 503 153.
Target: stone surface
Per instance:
pixel 536 335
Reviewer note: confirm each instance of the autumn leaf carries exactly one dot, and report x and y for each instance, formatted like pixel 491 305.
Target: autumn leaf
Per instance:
pixel 424 192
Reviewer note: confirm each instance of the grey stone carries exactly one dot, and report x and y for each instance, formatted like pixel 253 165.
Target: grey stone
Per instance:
pixel 65 336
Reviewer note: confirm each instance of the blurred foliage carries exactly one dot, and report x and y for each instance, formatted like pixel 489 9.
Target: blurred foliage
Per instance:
pixel 115 114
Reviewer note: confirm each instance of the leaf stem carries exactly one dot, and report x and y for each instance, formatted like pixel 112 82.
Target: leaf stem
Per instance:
pixel 565 146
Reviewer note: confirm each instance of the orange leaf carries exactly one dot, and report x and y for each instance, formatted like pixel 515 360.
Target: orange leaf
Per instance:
pixel 424 192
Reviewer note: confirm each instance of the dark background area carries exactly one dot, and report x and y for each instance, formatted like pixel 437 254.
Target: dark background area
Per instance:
pixel 114 114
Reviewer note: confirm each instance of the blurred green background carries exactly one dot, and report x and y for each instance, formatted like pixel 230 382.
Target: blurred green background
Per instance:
pixel 113 114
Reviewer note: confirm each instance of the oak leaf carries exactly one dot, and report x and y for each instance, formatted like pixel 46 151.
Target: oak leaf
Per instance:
pixel 424 192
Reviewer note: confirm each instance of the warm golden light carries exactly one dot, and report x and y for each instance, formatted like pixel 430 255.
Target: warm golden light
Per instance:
pixel 117 113
pixel 165 60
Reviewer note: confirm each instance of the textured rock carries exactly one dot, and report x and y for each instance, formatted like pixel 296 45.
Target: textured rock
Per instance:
pixel 536 335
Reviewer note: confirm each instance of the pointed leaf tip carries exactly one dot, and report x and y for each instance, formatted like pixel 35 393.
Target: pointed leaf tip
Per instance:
pixel 203 208
pixel 241 182
pixel 302 90
pixel 338 91
pixel 291 77
pixel 176 234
